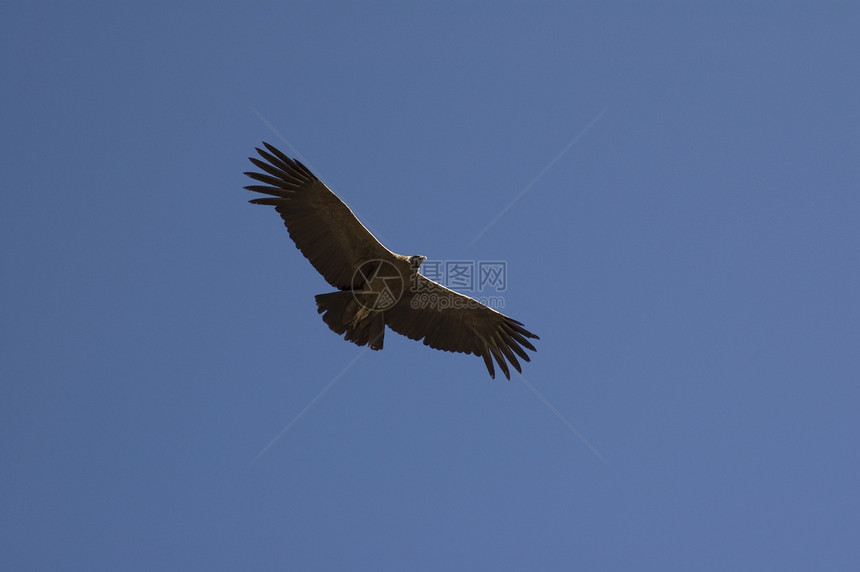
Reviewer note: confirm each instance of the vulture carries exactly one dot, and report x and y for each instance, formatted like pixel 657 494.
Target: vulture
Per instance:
pixel 376 287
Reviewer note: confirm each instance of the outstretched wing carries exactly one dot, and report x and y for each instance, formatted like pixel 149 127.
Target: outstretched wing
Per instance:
pixel 450 321
pixel 322 226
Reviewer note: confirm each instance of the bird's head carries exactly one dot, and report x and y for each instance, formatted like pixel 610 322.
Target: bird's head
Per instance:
pixel 415 261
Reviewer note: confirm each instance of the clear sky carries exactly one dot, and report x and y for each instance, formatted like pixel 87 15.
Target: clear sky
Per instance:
pixel 690 263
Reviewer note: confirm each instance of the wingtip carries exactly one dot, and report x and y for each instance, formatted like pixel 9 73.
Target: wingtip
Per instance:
pixel 277 152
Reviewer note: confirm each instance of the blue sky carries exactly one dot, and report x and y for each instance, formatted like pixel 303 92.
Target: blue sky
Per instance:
pixel 690 263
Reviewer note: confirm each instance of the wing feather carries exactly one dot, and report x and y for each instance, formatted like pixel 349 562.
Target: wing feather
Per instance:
pixel 499 359
pixel 450 321
pixel 324 229
pixel 506 349
pixel 488 361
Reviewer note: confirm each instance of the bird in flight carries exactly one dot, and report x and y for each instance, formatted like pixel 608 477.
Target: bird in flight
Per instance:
pixel 376 287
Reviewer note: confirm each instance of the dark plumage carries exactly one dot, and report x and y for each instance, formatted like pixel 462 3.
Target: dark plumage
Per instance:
pixel 377 287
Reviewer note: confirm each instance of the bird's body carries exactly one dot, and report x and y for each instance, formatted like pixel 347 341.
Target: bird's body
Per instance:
pixel 377 287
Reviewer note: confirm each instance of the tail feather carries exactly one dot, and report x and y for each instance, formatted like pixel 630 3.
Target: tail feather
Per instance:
pixel 345 315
